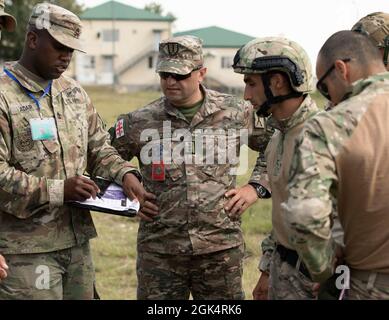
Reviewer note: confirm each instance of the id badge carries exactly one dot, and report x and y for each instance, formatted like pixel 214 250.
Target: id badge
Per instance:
pixel 43 129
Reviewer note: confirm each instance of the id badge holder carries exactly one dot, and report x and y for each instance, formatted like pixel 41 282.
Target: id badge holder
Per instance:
pixel 43 129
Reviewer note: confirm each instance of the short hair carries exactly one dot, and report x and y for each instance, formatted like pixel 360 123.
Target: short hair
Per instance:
pixel 349 44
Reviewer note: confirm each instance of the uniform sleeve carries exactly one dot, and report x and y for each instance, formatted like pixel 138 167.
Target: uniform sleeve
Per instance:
pixel 21 194
pixel 268 246
pixel 259 136
pixel 122 137
pixel 308 210
pixel 103 158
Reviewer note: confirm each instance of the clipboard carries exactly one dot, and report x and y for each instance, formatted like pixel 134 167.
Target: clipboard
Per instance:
pixel 111 200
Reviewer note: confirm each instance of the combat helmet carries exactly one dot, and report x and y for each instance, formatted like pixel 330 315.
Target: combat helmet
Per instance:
pixel 376 27
pixel 264 55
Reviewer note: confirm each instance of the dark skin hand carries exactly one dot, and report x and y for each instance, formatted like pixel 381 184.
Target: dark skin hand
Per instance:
pixel 135 190
pixel 261 290
pixel 79 188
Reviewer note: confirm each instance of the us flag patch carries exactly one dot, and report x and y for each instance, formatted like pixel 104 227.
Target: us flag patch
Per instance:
pixel 119 129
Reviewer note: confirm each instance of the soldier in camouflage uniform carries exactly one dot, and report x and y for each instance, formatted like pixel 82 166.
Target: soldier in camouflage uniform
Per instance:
pixel 8 23
pixel 376 27
pixel 50 134
pixel 342 156
pixel 187 241
pixel 278 77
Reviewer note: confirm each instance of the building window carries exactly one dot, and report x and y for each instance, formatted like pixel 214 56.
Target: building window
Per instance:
pixel 110 35
pixel 89 62
pixel 226 62
pixel 151 64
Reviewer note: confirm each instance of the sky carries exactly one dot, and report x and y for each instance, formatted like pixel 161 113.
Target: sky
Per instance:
pixel 308 22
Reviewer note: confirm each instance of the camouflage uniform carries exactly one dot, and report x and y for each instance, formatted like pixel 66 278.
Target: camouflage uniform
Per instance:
pixel 376 27
pixel 35 224
pixel 193 244
pixel 286 280
pixel 342 156
pixel 8 23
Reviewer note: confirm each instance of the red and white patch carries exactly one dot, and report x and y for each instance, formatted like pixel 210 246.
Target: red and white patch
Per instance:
pixel 119 129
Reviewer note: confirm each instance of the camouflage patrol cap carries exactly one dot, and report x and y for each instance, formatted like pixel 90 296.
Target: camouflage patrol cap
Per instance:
pixel 63 25
pixel 10 21
pixel 374 25
pixel 180 55
pixel 262 55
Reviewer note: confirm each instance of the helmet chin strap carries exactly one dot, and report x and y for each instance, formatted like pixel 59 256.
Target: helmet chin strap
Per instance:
pixel 386 50
pixel 263 110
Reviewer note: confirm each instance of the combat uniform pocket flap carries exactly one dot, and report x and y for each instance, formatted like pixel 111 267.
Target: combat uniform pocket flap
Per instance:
pixel 51 146
pixel 174 172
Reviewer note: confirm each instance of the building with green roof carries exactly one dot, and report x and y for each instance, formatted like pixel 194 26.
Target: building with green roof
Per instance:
pixel 220 46
pixel 121 11
pixel 216 37
pixel 122 41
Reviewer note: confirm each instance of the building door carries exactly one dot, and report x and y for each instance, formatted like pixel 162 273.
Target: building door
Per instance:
pixel 85 69
pixel 107 74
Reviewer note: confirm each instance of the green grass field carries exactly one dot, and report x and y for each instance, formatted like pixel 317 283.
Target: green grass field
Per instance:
pixel 114 251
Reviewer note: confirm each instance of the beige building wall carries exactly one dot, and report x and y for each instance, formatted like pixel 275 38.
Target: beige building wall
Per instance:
pixel 219 61
pixel 136 40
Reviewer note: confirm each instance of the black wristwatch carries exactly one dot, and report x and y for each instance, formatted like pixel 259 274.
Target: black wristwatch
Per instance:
pixel 262 192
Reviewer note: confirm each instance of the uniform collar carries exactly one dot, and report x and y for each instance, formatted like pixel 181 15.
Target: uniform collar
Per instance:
pixel 360 85
pixel 207 108
pixel 306 110
pixel 28 79
pixel 34 83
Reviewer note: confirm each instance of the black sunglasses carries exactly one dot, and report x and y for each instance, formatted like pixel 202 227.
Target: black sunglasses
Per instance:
pixel 322 87
pixel 176 76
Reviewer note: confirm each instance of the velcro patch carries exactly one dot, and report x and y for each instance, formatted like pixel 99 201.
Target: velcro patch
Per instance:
pixel 119 129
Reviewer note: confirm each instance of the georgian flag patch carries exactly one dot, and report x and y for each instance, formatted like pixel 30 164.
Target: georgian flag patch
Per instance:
pixel 119 130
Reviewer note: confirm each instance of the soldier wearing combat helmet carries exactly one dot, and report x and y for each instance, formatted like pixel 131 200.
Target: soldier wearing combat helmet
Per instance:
pixel 376 27
pixel 278 78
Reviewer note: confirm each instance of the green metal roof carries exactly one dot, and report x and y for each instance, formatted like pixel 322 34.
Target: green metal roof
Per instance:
pixel 216 37
pixel 119 11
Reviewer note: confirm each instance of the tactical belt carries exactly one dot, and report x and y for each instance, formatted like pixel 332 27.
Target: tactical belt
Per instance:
pixel 373 278
pixel 291 257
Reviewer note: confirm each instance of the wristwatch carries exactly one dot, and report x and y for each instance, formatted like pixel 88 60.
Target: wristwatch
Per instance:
pixel 262 192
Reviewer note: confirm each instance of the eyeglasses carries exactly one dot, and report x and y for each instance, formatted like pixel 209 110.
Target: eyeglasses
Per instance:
pixel 322 87
pixel 176 76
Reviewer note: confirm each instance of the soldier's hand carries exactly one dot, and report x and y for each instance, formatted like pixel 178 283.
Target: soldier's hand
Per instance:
pixel 3 268
pixel 135 191
pixel 241 199
pixel 261 290
pixel 79 189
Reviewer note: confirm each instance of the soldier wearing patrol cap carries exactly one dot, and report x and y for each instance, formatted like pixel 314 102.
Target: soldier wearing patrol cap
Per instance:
pixel 188 241
pixel 51 134
pixel 7 22
pixel 376 27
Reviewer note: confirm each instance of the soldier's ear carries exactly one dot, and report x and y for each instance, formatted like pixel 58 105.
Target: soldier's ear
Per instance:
pixel 202 73
pixel 342 69
pixel 32 39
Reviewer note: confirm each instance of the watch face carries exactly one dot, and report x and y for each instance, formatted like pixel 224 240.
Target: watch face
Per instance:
pixel 260 191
